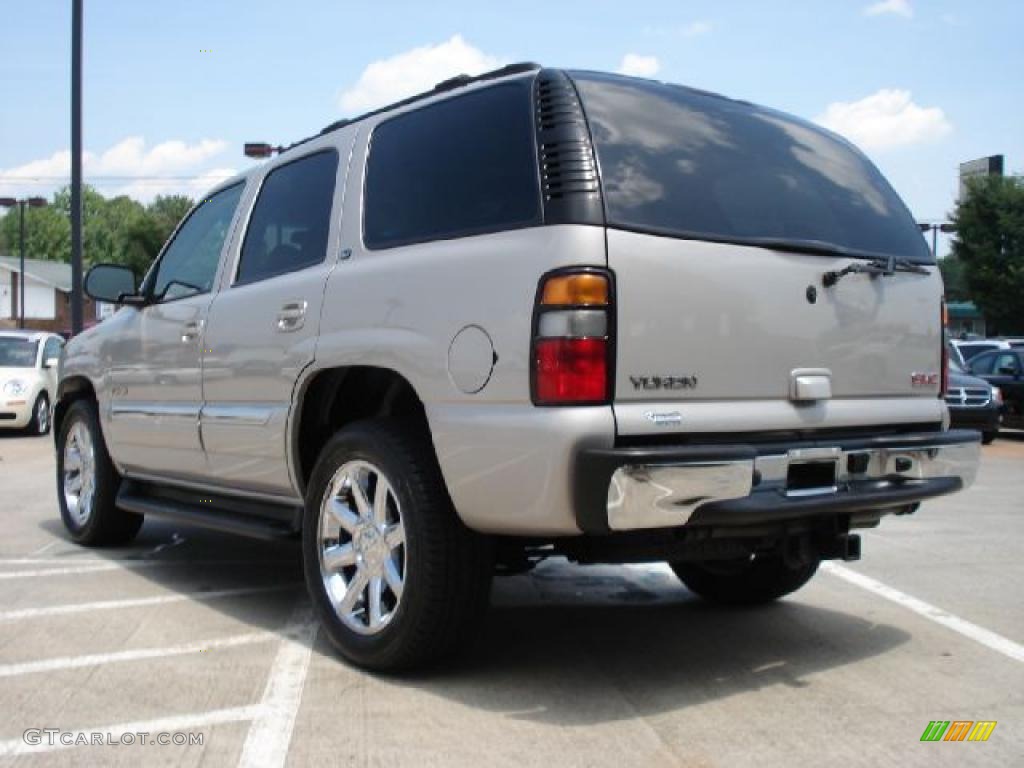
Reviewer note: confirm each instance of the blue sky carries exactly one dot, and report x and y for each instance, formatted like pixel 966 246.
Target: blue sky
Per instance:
pixel 173 89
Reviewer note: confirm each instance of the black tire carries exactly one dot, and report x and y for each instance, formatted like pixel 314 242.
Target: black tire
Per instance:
pixel 105 524
pixel 989 437
pixel 447 568
pixel 747 582
pixel 40 423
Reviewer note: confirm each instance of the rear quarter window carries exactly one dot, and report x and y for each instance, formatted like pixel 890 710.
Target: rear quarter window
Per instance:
pixel 681 162
pixel 463 166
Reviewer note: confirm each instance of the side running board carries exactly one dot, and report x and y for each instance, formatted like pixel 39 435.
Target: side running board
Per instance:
pixel 258 520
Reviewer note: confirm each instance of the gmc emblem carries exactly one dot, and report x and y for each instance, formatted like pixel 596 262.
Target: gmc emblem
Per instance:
pixel 924 379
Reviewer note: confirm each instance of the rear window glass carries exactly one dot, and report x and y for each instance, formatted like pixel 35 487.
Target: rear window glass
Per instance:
pixel 291 220
pixel 462 166
pixel 681 162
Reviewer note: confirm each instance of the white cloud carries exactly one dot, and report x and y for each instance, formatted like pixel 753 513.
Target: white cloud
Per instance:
pixel 639 66
pixel 127 158
pixel 893 7
pixel 884 120
pixel 420 69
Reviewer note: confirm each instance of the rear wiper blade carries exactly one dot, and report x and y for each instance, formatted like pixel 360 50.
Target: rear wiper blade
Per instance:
pixel 875 268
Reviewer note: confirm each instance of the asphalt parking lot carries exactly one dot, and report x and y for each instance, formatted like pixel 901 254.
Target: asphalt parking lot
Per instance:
pixel 189 631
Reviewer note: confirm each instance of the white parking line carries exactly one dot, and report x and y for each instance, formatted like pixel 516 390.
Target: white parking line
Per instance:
pixel 43 548
pixel 60 610
pixel 90 568
pixel 266 746
pixel 981 635
pixel 114 733
pixel 102 659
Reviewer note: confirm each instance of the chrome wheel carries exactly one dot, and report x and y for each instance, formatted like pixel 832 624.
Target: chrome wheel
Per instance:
pixel 42 415
pixel 79 473
pixel 361 545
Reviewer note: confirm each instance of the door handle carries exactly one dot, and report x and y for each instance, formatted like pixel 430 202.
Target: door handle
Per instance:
pixel 291 316
pixel 190 332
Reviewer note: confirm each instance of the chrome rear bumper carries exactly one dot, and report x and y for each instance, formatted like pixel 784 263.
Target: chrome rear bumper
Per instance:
pixel 740 484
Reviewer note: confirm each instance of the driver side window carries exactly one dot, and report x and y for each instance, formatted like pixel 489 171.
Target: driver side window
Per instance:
pixel 189 263
pixel 982 364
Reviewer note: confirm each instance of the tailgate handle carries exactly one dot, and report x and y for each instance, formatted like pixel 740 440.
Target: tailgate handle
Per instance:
pixel 810 384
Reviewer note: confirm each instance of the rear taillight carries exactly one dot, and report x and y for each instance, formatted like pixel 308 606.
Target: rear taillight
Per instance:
pixel 944 360
pixel 571 353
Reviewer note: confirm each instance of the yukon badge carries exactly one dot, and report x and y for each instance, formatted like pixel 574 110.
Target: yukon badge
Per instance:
pixel 918 379
pixel 649 383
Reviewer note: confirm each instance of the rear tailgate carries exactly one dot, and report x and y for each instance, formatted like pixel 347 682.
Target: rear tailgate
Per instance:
pixel 713 337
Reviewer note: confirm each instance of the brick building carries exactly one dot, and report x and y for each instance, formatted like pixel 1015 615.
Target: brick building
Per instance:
pixel 47 295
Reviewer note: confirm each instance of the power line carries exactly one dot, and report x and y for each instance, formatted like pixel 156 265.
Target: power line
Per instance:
pixel 117 178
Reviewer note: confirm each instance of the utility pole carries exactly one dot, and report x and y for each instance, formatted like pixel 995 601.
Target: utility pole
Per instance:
pixel 76 166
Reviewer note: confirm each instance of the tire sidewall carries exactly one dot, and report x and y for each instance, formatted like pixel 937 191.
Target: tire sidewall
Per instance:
pixel 362 442
pixel 84 412
pixel 34 426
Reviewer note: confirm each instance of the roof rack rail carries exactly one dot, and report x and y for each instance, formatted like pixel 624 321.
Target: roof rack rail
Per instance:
pixel 445 85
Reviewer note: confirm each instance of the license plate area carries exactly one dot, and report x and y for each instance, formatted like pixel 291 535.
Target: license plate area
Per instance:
pixel 811 477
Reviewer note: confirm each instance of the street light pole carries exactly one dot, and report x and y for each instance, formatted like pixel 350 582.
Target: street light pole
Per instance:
pixel 945 228
pixel 76 167
pixel 31 202
pixel 21 265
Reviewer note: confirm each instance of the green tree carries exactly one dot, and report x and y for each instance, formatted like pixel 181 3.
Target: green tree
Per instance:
pixel 953 279
pixel 118 230
pixel 167 211
pixel 990 245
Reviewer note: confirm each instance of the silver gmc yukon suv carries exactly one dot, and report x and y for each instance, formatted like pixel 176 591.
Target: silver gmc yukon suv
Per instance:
pixel 527 314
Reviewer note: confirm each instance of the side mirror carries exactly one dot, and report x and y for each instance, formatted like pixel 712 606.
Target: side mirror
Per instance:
pixel 1007 370
pixel 113 284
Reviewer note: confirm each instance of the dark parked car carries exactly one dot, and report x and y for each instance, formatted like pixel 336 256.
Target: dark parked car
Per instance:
pixel 1004 368
pixel 973 403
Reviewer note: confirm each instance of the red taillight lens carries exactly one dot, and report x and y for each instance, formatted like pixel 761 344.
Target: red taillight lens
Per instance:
pixel 571 371
pixel 573 330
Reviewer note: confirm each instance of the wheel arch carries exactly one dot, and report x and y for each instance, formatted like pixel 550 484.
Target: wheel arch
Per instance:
pixel 331 398
pixel 69 390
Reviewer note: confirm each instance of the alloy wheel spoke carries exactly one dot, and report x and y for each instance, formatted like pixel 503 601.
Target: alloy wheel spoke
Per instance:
pixel 395 582
pixel 355 590
pixel 359 497
pixel 380 502
pixel 346 518
pixel 73 484
pixel 337 557
pixel 376 606
pixel 395 535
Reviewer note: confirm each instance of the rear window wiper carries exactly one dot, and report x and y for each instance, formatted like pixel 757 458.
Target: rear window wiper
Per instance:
pixel 875 268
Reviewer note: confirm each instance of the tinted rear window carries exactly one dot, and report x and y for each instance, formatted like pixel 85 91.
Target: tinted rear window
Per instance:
pixel 463 166
pixel 680 162
pixel 291 220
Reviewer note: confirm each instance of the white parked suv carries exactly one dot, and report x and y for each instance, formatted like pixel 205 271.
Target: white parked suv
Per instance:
pixel 532 313
pixel 28 379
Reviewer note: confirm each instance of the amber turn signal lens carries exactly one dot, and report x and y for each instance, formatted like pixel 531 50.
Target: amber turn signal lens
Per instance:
pixel 575 290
